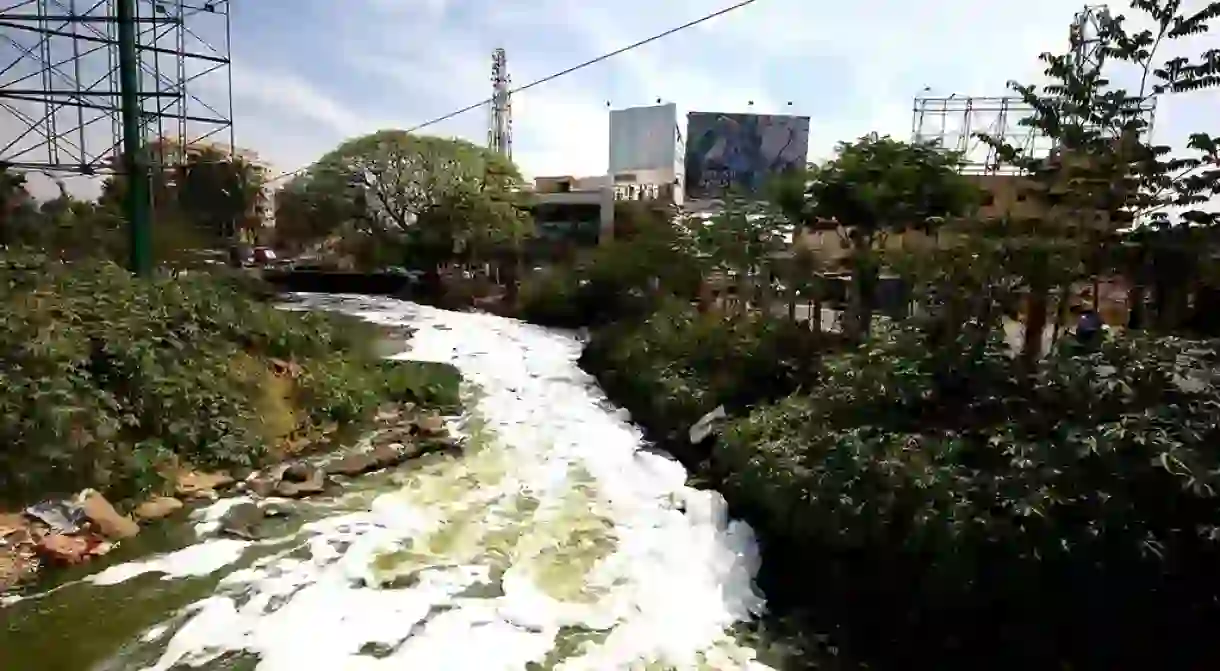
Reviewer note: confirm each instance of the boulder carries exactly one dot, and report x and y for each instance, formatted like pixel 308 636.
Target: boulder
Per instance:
pixel 388 414
pixel 352 464
pixel 103 515
pixel 63 549
pixel 436 444
pixel 392 454
pixel 399 434
pixel 242 521
pixel 430 425
pixel 196 485
pixel 277 508
pixel 157 507
pixel 314 483
pixel 298 472
pixel 261 485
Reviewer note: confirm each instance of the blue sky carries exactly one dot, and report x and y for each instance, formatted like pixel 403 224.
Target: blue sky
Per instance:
pixel 308 73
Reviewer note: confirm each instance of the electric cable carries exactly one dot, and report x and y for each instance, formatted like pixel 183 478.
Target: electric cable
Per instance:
pixel 561 73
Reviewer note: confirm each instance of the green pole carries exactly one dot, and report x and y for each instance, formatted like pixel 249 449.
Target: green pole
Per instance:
pixel 137 205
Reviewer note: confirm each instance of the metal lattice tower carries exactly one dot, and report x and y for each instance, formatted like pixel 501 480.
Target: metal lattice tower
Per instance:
pixel 1085 38
pixel 60 80
pixel 500 130
pixel 955 122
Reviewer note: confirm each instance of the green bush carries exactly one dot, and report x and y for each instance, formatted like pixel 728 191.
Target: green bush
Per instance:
pixel 679 364
pixel 1069 514
pixel 623 280
pixel 106 380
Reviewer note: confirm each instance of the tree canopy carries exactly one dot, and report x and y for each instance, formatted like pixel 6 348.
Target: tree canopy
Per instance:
pixel 207 189
pixel 433 197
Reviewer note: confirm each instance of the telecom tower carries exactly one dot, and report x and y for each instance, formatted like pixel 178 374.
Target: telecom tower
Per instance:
pixel 500 130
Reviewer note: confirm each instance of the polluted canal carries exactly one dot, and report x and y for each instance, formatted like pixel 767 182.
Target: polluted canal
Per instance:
pixel 554 542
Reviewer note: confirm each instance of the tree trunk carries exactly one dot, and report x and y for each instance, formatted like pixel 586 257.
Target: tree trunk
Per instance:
pixel 1061 313
pixel 1135 307
pixel 1035 323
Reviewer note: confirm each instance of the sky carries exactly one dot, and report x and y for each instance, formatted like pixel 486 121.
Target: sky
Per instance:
pixel 307 74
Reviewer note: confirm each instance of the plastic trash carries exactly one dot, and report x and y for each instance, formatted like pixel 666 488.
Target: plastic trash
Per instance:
pixel 61 516
pixel 706 425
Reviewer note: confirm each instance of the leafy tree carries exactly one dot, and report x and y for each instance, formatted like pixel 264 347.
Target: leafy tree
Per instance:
pixel 206 187
pixel 434 198
pixel 744 242
pixel 879 186
pixel 306 213
pixel 16 205
pixel 1105 175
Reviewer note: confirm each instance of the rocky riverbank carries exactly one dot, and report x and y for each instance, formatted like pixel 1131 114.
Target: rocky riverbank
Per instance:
pixel 68 532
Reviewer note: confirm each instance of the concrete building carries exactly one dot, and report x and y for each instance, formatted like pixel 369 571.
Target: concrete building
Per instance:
pixel 1003 195
pixel 645 164
pixel 569 211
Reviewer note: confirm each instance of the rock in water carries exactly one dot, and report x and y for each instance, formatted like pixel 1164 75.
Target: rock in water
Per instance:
pixel 298 472
pixel 242 521
pixel 352 464
pixel 157 508
pixel 108 520
pixel 314 483
pixel 430 425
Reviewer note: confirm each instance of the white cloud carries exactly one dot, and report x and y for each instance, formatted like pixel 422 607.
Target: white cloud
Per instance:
pixel 334 71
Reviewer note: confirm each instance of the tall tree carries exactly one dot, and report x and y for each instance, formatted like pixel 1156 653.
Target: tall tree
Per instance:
pixel 436 199
pixel 216 193
pixel 876 187
pixel 1105 175
pixel 743 242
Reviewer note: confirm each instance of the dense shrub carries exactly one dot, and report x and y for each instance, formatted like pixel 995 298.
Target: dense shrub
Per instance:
pixel 678 364
pixel 106 380
pixel 952 511
pixel 622 280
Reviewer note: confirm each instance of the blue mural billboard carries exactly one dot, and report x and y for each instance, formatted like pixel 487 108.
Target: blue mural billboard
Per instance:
pixel 740 152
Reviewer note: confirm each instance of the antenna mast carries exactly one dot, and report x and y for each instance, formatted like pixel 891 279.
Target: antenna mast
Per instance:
pixel 500 131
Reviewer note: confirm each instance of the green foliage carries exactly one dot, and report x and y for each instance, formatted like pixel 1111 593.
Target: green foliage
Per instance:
pixel 427 198
pixel 424 383
pixel 106 380
pixel 679 364
pixel 625 279
pixel 876 187
pixel 205 191
pixel 1106 175
pixel 924 484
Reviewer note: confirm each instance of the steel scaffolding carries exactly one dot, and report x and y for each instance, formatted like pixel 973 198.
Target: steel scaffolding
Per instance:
pixel 61 80
pixel 956 121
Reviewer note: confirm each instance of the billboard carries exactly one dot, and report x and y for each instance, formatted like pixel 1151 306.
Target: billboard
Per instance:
pixel 644 138
pixel 741 152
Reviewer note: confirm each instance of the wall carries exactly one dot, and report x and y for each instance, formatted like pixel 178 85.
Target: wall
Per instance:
pixel 643 138
pixel 741 151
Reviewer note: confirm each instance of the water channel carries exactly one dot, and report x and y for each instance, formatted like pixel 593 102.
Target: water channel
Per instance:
pixel 555 542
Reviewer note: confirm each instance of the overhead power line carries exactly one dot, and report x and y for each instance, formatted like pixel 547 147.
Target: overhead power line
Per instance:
pixel 561 73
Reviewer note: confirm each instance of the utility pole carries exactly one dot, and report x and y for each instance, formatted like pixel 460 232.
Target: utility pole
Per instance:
pixel 137 205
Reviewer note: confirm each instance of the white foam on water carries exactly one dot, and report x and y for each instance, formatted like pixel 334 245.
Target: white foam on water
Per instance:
pixel 192 561
pixel 555 540
pixel 210 517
